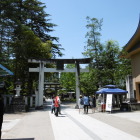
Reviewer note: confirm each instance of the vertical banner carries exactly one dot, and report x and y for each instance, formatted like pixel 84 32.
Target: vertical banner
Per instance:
pixel 109 102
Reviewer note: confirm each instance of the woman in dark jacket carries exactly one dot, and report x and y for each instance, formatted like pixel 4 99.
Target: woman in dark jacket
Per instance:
pixel 1 114
pixel 93 104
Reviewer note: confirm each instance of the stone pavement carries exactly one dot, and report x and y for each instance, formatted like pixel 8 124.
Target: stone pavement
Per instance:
pixel 70 125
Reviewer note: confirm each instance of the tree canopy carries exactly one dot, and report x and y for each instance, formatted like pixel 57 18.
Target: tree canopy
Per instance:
pixel 106 67
pixel 25 33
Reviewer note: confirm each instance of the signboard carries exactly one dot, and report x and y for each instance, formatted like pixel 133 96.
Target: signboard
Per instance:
pixel 109 102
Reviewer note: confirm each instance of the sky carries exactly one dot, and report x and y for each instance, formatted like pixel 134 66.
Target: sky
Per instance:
pixel 120 21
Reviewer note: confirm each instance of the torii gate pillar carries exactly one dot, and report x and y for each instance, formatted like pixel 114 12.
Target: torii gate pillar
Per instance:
pixel 77 76
pixel 41 84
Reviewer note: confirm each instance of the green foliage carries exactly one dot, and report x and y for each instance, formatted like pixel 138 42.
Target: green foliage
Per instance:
pixel 27 42
pixel 93 45
pixel 24 34
pixel 67 80
pixel 88 82
pixel 110 59
pixel 60 92
pixel 106 67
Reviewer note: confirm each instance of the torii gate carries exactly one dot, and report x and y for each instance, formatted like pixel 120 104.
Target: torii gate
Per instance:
pixel 60 68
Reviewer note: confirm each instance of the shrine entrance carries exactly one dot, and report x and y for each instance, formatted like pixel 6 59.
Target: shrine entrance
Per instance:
pixel 59 68
pixel 51 88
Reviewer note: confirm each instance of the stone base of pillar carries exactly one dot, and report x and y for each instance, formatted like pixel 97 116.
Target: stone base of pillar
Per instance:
pixel 76 107
pixel 18 104
pixel 39 107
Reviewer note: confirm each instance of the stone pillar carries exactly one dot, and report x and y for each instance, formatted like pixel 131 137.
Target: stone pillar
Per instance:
pixel 77 75
pixel 26 100
pixel 41 83
pixel 5 100
pixel 36 98
pixel 129 86
pixel 117 100
pixel 31 101
pixel 10 100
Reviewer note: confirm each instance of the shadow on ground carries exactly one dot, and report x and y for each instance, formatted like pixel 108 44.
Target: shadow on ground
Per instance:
pixel 20 139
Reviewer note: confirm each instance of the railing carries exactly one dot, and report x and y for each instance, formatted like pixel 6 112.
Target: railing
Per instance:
pixel 14 103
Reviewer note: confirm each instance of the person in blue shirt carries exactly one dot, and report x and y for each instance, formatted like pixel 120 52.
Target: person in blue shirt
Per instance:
pixel 86 103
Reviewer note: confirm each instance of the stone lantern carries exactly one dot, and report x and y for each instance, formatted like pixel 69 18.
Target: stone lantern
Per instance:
pixel 18 87
pixel 18 102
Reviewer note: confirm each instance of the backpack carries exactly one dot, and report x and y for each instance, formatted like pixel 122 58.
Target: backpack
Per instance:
pixel 81 101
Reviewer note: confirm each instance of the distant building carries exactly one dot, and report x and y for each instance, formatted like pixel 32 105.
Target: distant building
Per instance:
pixel 133 52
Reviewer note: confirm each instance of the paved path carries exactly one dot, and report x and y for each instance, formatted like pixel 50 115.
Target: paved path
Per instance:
pixel 42 125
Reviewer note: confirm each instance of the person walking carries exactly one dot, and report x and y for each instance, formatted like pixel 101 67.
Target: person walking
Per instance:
pixel 56 105
pixel 1 114
pixel 52 105
pixel 80 103
pixel 86 103
pixel 93 100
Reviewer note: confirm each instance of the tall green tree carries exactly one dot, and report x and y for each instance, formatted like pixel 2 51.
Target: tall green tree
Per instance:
pixel 123 69
pixel 24 34
pixel 14 13
pixel 110 61
pixel 115 69
pixel 106 66
pixel 28 46
pixel 93 46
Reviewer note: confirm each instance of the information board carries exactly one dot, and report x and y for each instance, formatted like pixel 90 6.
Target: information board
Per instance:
pixel 109 102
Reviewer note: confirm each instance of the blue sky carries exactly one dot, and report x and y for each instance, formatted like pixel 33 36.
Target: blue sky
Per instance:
pixel 120 21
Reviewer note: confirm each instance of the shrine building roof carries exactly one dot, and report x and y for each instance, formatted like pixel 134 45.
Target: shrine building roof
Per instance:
pixel 133 45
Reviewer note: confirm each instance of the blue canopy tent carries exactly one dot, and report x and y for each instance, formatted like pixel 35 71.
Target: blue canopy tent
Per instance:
pixel 4 71
pixel 111 91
